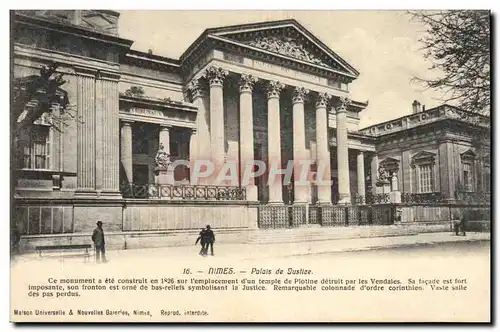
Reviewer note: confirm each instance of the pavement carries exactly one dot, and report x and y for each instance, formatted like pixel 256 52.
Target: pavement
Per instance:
pixel 276 250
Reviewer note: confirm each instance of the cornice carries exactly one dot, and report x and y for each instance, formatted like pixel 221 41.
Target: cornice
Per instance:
pixel 157 103
pixel 70 29
pixel 291 62
pixel 67 60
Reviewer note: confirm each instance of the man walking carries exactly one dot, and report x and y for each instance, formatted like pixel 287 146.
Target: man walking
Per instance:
pixel 209 240
pixel 460 225
pixel 99 243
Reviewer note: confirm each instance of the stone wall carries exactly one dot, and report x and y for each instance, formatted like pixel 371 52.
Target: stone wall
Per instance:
pixel 80 216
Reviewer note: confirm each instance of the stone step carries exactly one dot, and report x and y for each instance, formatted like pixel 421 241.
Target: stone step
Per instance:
pixel 325 233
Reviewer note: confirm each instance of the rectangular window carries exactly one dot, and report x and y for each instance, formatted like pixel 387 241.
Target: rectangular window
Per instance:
pixel 467 177
pixel 486 179
pixel 425 178
pixel 34 148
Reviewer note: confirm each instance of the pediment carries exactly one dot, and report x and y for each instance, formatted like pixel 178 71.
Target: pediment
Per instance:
pixel 469 154
pixel 390 163
pixel 288 39
pixel 423 156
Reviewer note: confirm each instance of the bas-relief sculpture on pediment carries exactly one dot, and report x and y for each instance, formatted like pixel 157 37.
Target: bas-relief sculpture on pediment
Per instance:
pixel 287 46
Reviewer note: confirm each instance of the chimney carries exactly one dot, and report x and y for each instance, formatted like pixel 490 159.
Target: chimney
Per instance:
pixel 423 108
pixel 416 107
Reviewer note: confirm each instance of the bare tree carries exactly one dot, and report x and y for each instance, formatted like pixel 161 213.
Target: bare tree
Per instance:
pixel 458 44
pixel 36 95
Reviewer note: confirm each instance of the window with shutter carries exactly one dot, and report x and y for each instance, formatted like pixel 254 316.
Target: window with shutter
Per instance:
pixel 34 148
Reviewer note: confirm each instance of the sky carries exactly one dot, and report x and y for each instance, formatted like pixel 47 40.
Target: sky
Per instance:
pixel 382 45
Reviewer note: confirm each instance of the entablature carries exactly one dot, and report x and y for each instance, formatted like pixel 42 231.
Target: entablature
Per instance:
pixel 158 111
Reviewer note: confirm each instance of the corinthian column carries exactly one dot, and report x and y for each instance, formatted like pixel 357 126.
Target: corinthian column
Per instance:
pixel 301 186
pixel 126 149
pixel 274 140
pixel 361 174
pixel 216 78
pixel 323 177
pixel 343 151
pixel 246 133
pixel 200 138
pixel 164 137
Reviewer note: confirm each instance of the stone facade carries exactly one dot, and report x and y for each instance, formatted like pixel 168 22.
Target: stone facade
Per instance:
pixel 267 91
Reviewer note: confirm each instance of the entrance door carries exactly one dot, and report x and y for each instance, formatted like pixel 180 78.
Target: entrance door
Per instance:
pixel 141 174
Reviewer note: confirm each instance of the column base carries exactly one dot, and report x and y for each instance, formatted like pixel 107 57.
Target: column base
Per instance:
pixel 163 176
pixel 251 193
pixel 275 203
pixel 110 194
pixel 344 199
pixel 395 196
pixel 86 193
pixel 324 204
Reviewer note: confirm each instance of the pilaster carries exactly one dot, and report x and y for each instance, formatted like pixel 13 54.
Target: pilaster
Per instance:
pixel 86 134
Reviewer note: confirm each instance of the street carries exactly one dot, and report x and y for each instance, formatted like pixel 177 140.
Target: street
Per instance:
pixel 465 266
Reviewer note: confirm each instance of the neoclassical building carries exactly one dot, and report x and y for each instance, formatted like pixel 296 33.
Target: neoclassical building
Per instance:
pixel 267 91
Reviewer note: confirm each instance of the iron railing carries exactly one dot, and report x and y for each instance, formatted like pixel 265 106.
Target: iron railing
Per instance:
pixel 474 197
pixel 187 192
pixel 287 216
pixel 282 216
pixel 421 198
pixel 377 198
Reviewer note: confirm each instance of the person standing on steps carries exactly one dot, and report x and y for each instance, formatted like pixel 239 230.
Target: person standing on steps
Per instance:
pixel 99 243
pixel 209 240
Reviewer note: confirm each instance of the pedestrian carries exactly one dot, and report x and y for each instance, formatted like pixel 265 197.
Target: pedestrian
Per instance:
pixel 14 240
pixel 460 224
pixel 99 243
pixel 209 240
pixel 463 224
pixel 201 238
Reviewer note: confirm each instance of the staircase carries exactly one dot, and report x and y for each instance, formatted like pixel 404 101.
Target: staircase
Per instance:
pixel 305 234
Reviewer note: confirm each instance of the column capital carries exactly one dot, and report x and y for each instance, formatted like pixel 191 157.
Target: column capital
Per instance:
pixel 195 89
pixel 247 82
pixel 322 100
pixel 127 122
pixel 273 89
pixel 165 126
pixel 342 104
pixel 215 75
pixel 299 94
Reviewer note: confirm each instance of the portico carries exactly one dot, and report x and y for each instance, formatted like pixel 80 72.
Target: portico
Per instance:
pixel 265 127
pixel 273 94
